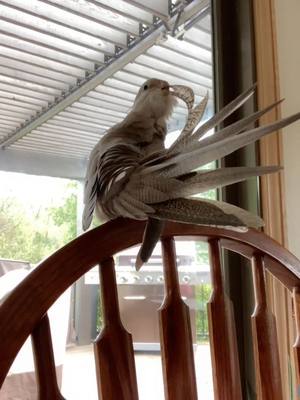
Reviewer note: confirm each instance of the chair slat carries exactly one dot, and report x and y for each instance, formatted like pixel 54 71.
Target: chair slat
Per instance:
pixel 175 333
pixel 115 366
pixel 44 361
pixel 222 334
pixel 265 343
pixel 296 346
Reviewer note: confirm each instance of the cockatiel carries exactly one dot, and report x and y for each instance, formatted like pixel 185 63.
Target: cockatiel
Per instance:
pixel 131 174
pixel 144 128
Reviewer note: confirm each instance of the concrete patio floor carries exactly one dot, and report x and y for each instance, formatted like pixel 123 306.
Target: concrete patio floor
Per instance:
pixel 79 380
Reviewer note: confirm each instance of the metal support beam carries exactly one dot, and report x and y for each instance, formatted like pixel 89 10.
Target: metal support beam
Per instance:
pixel 104 72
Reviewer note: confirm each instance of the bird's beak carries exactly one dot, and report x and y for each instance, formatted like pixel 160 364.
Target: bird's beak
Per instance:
pixel 172 91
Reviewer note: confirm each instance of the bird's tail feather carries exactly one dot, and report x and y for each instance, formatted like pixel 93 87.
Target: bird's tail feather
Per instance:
pixel 151 236
pixel 206 212
pixel 204 180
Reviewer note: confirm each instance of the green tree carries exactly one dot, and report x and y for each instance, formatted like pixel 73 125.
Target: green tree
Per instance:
pixel 66 216
pixel 203 293
pixel 31 235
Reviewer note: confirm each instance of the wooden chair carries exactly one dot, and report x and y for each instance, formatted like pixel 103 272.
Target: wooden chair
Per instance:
pixel 24 313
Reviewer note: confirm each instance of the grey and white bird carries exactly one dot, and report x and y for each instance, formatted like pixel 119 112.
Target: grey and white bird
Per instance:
pixel 131 174
pixel 140 134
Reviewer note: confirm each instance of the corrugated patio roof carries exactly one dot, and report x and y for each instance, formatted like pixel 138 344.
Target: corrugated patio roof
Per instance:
pixel 70 69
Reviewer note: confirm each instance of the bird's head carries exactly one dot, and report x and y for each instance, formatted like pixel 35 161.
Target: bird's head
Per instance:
pixel 155 97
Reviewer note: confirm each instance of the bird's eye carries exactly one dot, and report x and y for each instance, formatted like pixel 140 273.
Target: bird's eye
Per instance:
pixel 145 87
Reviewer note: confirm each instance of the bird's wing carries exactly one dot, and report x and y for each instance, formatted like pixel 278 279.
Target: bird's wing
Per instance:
pixel 106 183
pixel 155 188
pixel 224 113
pixel 90 188
pixel 233 129
pixel 199 155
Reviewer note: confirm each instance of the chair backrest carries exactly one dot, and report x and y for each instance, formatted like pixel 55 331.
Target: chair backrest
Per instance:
pixel 24 313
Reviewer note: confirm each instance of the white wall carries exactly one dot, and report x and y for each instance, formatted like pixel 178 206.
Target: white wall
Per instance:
pixel 288 37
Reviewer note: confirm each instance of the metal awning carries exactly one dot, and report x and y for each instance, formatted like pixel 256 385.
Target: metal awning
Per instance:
pixel 70 69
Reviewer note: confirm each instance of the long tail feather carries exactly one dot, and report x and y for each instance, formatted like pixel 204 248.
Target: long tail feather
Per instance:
pixel 151 236
pixel 205 180
pixel 206 212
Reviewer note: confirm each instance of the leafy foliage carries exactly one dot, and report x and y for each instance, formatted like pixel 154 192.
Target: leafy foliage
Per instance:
pixel 30 234
pixel 203 293
pixel 202 253
pixel 65 216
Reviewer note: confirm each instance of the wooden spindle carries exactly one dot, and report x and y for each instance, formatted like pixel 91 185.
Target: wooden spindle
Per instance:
pixel 265 343
pixel 296 346
pixel 44 361
pixel 115 366
pixel 222 334
pixel 175 333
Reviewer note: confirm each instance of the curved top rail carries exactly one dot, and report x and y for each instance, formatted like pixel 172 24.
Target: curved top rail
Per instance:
pixel 30 300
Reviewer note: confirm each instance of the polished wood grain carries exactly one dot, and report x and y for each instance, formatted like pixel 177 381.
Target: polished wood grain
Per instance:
pixel 25 306
pixel 265 342
pixel 175 333
pixel 115 367
pixel 272 188
pixel 270 147
pixel 44 361
pixel 283 275
pixel 296 346
pixel 222 334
